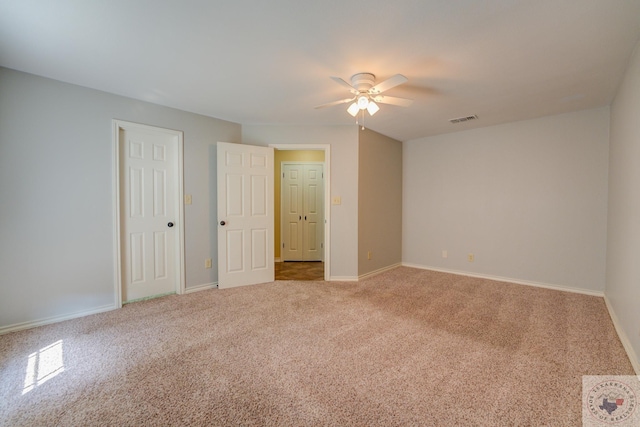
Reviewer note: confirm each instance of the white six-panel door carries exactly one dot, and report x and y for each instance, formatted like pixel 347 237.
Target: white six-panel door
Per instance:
pixel 245 214
pixel 149 211
pixel 302 212
pixel 313 206
pixel 291 212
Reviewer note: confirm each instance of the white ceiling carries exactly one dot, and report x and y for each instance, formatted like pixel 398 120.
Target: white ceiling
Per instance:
pixel 269 62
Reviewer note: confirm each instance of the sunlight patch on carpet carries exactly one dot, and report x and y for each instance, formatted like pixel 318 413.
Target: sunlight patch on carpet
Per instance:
pixel 43 365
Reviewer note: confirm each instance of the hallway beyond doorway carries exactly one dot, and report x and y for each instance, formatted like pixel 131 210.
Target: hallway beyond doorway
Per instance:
pixel 298 270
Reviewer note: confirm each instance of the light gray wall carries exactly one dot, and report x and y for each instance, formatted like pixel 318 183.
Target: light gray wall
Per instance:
pixel 56 232
pixel 623 239
pixel 379 201
pixel 344 182
pixel 528 199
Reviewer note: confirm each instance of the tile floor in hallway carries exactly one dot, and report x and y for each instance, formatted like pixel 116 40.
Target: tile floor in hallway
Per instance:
pixel 299 270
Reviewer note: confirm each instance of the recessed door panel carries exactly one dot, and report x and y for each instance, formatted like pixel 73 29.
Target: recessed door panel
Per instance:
pixel 259 252
pixel 136 149
pixel 259 195
pixel 136 193
pixel 235 251
pixel 159 153
pixel 258 161
pixel 312 199
pixel 233 160
pixel 312 237
pixel 293 236
pixel 136 257
pixel 293 200
pixel 234 195
pixel 160 254
pixel 159 193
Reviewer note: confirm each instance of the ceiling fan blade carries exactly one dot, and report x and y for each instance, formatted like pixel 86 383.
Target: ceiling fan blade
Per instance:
pixel 331 104
pixel 392 100
pixel 394 81
pixel 345 84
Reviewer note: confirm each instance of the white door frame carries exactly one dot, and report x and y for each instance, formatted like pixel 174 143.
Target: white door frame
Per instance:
pixel 179 256
pixel 327 195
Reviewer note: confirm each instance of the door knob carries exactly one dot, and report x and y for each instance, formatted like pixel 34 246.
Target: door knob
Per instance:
pixel 222 223
pixel 170 225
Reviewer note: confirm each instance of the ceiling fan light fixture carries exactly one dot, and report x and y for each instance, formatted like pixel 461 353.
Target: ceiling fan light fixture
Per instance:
pixel 363 101
pixel 366 94
pixel 353 109
pixel 372 108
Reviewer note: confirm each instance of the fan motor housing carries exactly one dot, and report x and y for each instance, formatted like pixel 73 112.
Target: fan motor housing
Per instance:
pixel 362 82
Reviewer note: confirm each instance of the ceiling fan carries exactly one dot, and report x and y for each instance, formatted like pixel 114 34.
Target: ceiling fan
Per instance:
pixel 366 93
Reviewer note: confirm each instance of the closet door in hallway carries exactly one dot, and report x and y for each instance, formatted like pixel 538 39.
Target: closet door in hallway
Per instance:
pixel 302 212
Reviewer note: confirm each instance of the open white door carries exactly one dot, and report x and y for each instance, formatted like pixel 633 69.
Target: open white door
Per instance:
pixel 245 215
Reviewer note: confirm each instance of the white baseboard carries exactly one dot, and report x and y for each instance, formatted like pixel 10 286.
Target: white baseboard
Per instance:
pixel 633 357
pixel 343 279
pixel 55 319
pixel 378 271
pixel 510 280
pixel 198 288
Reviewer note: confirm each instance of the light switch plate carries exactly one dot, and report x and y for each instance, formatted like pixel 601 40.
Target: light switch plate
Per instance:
pixel 336 200
pixel 187 199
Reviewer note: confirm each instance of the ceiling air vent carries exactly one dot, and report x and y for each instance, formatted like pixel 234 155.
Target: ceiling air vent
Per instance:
pixel 463 119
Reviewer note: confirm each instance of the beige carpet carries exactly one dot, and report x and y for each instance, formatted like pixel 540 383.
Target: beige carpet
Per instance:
pixel 408 347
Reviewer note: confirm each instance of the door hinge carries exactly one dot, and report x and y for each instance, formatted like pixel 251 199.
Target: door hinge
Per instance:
pixel 283 174
pixel 283 246
pixel 321 245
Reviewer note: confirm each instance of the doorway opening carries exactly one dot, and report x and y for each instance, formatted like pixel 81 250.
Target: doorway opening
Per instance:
pixel 301 214
pixel 299 270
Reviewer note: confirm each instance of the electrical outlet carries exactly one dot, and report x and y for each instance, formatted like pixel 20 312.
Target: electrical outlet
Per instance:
pixel 336 200
pixel 369 255
pixel 207 263
pixel 187 199
pixel 444 253
pixel 470 257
